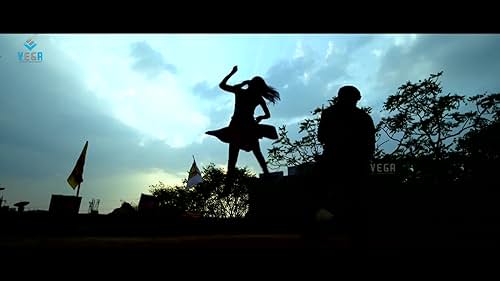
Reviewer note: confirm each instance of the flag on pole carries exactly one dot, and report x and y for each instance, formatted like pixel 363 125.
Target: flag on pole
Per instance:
pixel 194 176
pixel 76 176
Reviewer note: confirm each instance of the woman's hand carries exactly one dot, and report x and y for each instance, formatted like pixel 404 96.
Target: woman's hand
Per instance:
pixel 235 68
pixel 258 119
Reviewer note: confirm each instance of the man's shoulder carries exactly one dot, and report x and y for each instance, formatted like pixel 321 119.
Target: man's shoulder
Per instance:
pixel 363 115
pixel 331 109
pixel 361 112
pixel 327 112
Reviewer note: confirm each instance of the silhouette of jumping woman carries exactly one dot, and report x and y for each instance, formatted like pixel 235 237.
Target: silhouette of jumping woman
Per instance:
pixel 244 131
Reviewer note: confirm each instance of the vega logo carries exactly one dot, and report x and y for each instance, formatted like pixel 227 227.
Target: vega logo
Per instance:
pixel 30 56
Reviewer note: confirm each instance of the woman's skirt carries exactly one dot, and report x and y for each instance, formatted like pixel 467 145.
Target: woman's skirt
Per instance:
pixel 245 135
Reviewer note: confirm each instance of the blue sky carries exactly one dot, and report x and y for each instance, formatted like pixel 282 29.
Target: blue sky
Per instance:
pixel 144 101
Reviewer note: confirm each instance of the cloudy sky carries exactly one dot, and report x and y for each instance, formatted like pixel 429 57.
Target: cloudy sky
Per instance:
pixel 144 101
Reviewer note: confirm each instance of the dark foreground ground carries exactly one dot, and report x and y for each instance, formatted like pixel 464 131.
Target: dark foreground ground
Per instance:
pixel 413 217
pixel 127 244
pixel 42 232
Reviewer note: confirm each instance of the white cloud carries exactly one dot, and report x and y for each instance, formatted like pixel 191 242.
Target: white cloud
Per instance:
pixel 149 61
pixel 329 86
pixel 158 106
pixel 405 42
pixel 329 51
pixel 299 50
pixel 305 78
pixel 377 52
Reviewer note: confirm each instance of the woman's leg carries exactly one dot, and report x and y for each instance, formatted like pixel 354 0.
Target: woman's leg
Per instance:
pixel 233 158
pixel 260 158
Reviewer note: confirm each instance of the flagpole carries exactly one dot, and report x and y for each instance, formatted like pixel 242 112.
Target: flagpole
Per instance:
pixel 78 190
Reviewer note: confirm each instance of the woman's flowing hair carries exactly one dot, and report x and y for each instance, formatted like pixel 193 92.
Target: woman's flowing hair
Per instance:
pixel 267 92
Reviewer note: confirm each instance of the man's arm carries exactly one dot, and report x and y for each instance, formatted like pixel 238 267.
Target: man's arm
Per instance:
pixel 323 121
pixel 370 126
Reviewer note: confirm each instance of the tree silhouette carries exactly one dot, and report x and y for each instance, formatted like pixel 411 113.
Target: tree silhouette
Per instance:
pixel 426 126
pixel 209 198
pixel 427 123
pixel 286 152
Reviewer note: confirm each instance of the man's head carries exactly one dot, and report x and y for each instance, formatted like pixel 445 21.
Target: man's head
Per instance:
pixel 348 95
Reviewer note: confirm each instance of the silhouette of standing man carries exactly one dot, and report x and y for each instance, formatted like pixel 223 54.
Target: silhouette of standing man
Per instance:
pixel 347 134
